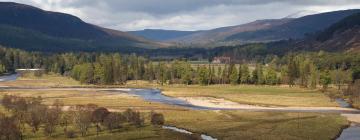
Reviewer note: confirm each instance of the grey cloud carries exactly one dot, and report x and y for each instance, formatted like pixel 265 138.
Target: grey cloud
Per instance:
pixel 184 14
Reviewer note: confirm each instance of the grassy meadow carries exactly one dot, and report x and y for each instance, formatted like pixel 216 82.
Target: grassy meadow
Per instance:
pixel 227 125
pixel 255 95
pixel 234 125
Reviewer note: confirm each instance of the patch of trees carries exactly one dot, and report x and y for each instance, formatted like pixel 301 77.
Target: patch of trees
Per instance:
pixel 31 113
pixel 353 93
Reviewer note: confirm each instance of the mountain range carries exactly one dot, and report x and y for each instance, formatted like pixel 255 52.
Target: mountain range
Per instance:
pixel 30 28
pixel 257 31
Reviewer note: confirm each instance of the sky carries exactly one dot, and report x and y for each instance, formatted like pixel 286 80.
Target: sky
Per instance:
pixel 190 15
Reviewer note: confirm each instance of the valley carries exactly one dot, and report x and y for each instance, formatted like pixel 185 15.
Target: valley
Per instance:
pixel 239 120
pixel 185 70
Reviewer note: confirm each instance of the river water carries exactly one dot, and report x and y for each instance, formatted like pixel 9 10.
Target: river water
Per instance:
pixel 11 77
pixel 353 131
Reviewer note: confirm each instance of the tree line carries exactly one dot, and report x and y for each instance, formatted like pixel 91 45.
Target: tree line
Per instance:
pixel 306 69
pixel 29 112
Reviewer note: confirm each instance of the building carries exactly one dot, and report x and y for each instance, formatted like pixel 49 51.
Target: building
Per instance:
pixel 221 60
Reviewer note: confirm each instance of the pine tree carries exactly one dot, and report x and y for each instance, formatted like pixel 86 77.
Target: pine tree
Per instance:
pixel 313 76
pixel 325 79
pixel 271 77
pixel 292 70
pixel 234 76
pixel 203 74
pixel 245 74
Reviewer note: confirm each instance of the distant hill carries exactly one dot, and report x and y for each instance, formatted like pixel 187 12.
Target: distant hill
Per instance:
pixel 295 29
pixel 216 37
pixel 264 30
pixel 26 27
pixel 162 35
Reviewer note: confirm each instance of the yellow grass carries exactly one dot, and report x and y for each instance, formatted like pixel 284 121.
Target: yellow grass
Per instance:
pixel 46 80
pixel 235 125
pixel 113 100
pixel 228 125
pixel 258 95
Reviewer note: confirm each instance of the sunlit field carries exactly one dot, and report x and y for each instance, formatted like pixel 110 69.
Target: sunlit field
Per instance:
pixel 229 125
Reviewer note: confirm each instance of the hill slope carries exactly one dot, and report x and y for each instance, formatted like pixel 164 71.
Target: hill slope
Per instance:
pixel 265 30
pixel 26 27
pixel 294 29
pixel 162 35
pixel 218 35
pixel 341 36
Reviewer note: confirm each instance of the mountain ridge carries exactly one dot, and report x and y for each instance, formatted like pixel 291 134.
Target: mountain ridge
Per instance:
pixel 60 28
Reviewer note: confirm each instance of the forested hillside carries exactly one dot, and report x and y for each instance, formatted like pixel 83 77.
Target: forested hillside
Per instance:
pixel 26 27
pixel 341 36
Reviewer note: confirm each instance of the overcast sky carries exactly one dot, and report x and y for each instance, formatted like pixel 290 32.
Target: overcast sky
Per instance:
pixel 185 14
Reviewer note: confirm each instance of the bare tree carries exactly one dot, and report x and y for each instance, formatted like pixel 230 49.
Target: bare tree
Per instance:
pixel 157 118
pixel 9 129
pixel 134 117
pixel 82 118
pixel 114 121
pixel 98 117
pixel 65 120
pixel 35 116
pixel 51 120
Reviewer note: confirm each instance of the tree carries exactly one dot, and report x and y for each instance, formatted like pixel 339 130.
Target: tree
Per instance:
pixel 65 120
pixel 258 77
pixel 2 68
pixel 157 119
pixel 113 121
pixel 35 116
pixel 134 117
pixel 292 70
pixel 356 74
pixel 6 101
pixel 271 77
pixel 98 117
pixel 186 75
pixel 325 79
pixel 304 72
pixel 203 74
pixel 161 73
pixel 9 129
pixel 82 119
pixel 245 74
pixel 99 74
pixel 234 76
pixel 118 69
pixel 353 92
pixel 219 75
pixel 51 120
pixel 313 76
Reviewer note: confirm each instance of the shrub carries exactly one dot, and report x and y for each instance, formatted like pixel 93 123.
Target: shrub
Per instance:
pixel 157 119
